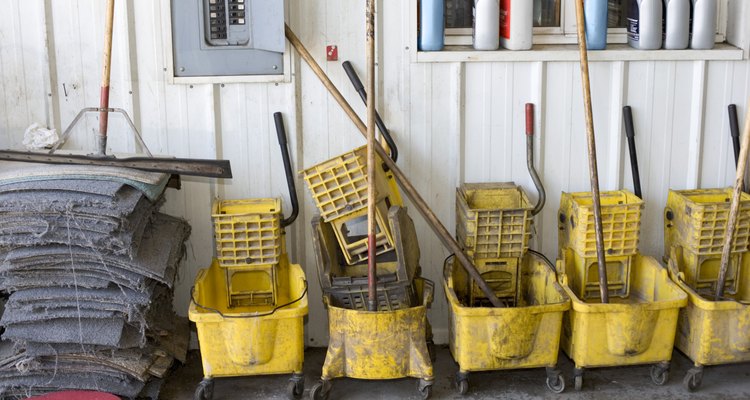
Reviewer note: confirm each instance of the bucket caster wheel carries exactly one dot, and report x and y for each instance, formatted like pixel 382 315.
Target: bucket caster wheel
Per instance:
pixel 295 387
pixel 693 379
pixel 462 382
pixel 555 381
pixel 660 373
pixel 205 390
pixel 578 382
pixel 321 390
pixel 425 389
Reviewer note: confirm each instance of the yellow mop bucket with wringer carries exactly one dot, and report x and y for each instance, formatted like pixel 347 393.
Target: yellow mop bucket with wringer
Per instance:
pixel 396 340
pixel 249 305
pixel 710 331
pixel 638 325
pixel 494 222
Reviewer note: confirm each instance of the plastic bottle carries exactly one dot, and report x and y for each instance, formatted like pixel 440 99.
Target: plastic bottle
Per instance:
pixel 703 32
pixel 596 15
pixel 645 24
pixel 431 25
pixel 516 24
pixel 486 24
pixel 676 24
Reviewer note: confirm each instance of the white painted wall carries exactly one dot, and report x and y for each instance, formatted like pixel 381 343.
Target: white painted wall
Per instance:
pixel 454 122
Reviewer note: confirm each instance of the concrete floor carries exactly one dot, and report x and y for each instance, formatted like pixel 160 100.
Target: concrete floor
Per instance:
pixel 723 382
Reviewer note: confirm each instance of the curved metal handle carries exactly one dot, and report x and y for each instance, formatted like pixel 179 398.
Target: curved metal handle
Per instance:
pixel 530 160
pixel 281 134
pixel 627 113
pixel 734 130
pixel 357 83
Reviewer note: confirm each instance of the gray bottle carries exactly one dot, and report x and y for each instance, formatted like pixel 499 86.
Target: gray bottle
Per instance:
pixel 645 24
pixel 703 32
pixel 676 24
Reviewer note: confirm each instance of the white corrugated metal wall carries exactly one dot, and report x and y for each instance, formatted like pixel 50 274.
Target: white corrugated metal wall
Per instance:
pixel 454 122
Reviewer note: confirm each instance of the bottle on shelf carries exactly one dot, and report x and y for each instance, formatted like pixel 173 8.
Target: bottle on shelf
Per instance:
pixel 703 25
pixel 596 15
pixel 486 25
pixel 516 24
pixel 645 24
pixel 676 24
pixel 431 25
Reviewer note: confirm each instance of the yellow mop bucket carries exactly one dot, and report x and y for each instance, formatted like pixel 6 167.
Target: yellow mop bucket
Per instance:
pixel 251 340
pixel 526 336
pixel 712 332
pixel 379 345
pixel 632 330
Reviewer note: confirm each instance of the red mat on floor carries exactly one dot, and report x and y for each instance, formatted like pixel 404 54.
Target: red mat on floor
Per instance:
pixel 77 395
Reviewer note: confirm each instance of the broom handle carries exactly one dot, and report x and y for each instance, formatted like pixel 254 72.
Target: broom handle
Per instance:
pixel 593 171
pixel 372 276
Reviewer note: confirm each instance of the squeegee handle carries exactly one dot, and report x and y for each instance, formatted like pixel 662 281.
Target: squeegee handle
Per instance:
pixel 106 72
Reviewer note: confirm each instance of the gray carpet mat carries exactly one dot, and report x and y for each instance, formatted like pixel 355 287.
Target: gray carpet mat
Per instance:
pixel 89 266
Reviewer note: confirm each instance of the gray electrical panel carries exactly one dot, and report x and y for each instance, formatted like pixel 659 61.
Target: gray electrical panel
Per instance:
pixel 227 37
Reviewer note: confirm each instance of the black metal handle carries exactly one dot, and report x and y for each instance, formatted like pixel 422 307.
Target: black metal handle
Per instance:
pixel 734 130
pixel 630 133
pixel 353 77
pixel 357 83
pixel 281 133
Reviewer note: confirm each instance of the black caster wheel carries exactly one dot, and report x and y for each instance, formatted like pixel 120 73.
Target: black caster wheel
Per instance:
pixel 660 374
pixel 205 390
pixel 463 387
pixel 425 392
pixel 693 379
pixel 556 384
pixel 462 382
pixel 295 388
pixel 320 391
pixel 578 382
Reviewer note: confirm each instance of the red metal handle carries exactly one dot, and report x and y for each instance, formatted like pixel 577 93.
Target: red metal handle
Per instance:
pixel 529 119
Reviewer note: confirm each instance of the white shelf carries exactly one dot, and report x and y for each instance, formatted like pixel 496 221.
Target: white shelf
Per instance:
pixel 569 52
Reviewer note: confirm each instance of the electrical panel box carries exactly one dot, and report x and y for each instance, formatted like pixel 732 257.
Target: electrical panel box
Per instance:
pixel 220 38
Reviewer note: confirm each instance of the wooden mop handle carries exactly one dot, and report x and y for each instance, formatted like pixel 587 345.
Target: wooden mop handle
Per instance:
pixel 735 206
pixel 593 171
pixel 104 95
pixel 372 276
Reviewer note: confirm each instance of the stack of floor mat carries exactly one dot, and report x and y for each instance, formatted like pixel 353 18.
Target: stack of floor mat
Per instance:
pixel 89 264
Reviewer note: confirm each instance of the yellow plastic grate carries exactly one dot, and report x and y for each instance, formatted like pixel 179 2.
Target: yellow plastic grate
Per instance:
pixel 339 185
pixel 621 223
pixel 247 232
pixel 493 220
pixel 697 219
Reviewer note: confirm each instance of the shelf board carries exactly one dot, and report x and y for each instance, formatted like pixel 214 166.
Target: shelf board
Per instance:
pixel 569 52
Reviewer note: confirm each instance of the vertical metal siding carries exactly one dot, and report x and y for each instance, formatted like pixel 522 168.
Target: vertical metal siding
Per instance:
pixel 453 122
